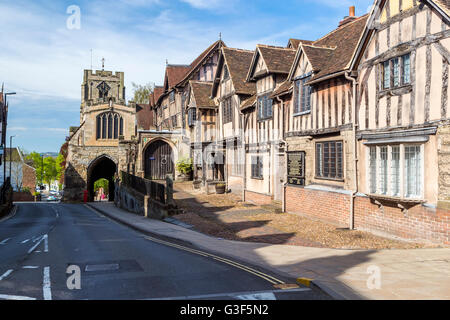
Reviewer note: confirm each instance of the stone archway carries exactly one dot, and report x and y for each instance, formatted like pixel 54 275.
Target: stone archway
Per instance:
pixel 102 167
pixel 158 160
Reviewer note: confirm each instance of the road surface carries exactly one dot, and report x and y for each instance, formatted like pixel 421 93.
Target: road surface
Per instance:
pixel 42 240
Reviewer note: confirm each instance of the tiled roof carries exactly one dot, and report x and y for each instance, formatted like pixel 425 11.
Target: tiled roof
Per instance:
pixel 157 93
pixel 284 88
pixel 248 103
pixel 202 93
pixel 238 62
pixel 144 116
pixel 278 59
pixel 318 56
pixel 174 74
pixel 343 40
pixel 296 43
pixel 199 59
pixel 14 153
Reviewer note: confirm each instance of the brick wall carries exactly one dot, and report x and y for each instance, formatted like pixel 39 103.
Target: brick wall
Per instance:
pixel 418 222
pixel 28 177
pixel 328 206
pixel 257 198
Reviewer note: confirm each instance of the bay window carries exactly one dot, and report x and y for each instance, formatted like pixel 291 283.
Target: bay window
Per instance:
pixel 396 170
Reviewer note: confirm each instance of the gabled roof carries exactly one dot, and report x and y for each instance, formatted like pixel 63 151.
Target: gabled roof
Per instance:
pixel 277 59
pixel 174 74
pixel 201 92
pixel 295 43
pixel 199 60
pixel 155 95
pixel 442 6
pixel 332 53
pixel 238 62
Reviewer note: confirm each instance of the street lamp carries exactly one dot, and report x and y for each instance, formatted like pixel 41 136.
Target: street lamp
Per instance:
pixel 10 155
pixel 4 142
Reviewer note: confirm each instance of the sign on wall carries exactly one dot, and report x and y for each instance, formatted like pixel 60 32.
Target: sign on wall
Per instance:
pixel 296 168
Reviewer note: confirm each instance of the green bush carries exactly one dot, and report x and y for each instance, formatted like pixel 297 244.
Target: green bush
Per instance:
pixel 185 166
pixel 26 189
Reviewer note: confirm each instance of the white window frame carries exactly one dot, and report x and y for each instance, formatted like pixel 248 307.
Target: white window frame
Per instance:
pixel 402 171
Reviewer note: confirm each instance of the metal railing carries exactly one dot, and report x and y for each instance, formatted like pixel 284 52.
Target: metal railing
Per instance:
pixel 154 190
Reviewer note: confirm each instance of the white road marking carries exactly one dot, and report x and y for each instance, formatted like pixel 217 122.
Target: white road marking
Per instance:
pixel 10 297
pixel 257 296
pixel 25 241
pixel 235 294
pixel 43 238
pixel 5 241
pixel 7 273
pixel 30 267
pixel 46 285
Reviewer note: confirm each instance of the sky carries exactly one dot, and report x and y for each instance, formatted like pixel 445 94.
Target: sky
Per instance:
pixel 46 45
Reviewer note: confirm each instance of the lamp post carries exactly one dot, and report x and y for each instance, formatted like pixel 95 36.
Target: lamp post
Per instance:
pixel 4 135
pixel 10 155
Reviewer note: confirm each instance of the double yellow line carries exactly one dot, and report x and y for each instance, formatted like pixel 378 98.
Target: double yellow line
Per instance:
pixel 257 273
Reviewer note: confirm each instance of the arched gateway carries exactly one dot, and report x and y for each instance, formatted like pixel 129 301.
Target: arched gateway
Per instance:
pixel 158 160
pixel 102 167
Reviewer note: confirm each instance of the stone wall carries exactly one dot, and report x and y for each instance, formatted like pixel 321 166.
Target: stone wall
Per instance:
pixel 444 166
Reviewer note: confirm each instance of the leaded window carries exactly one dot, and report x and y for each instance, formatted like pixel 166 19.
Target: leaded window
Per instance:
pixel 227 108
pixel 329 160
pixel 257 167
pixel 397 72
pixel 109 126
pixel 302 101
pixel 392 164
pixel 265 107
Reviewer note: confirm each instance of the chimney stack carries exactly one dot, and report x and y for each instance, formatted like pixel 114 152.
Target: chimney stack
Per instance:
pixel 352 11
pixel 348 18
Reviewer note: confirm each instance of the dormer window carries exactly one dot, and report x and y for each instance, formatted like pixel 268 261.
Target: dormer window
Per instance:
pixel 172 96
pixel 103 90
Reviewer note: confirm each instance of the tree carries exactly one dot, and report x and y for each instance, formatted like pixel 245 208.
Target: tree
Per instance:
pixel 48 169
pixel 142 92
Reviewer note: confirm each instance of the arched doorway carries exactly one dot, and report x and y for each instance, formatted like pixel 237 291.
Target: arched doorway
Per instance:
pixel 102 167
pixel 158 160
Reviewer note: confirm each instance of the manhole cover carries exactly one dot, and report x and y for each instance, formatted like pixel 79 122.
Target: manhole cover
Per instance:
pixel 101 267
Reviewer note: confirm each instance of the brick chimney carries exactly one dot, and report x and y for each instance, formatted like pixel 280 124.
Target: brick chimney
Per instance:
pixel 349 18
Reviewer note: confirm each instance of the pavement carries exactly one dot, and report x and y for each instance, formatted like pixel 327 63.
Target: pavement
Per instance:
pixel 58 251
pixel 413 274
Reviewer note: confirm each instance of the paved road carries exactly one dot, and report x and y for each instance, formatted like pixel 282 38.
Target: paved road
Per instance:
pixel 39 243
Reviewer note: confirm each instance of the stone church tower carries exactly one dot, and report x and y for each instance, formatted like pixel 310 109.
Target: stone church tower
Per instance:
pixel 104 142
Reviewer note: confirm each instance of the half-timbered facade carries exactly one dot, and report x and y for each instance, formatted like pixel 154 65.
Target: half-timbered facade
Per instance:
pixel 404 120
pixel 172 132
pixel 264 156
pixel 320 164
pixel 229 90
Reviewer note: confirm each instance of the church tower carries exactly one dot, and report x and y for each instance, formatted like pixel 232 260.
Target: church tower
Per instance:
pixel 101 87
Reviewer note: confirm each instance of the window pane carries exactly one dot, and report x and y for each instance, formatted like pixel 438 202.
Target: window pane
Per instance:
pixel 395 171
pixel 110 125
pixel 396 65
pixel 116 127
pixel 319 164
pixel 104 125
pixel 121 126
pixel 339 160
pixel 383 169
pixel 406 60
pixel 99 127
pixel 373 169
pixel 326 159
pixel 386 75
pixel 413 175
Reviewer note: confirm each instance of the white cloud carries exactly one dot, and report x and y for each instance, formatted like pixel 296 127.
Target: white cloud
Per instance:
pixel 206 4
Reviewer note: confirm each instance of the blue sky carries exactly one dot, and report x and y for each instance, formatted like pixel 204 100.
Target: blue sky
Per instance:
pixel 43 61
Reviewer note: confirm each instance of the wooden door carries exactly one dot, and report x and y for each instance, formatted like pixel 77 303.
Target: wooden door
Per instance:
pixel 158 161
